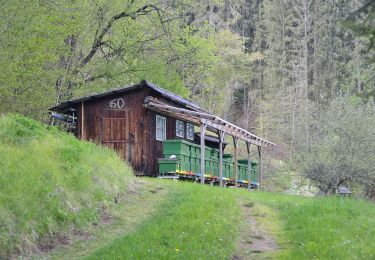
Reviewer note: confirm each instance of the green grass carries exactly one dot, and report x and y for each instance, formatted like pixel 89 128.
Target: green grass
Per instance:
pixel 194 222
pixel 305 228
pixel 141 201
pixel 330 228
pixel 50 182
pixel 321 228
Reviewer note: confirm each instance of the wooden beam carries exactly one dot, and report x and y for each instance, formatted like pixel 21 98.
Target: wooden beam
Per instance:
pixel 189 119
pixel 182 110
pixel 203 146
pixel 250 134
pixel 213 125
pixel 233 133
pixel 260 168
pixel 249 170
pixel 221 141
pixel 235 170
pixel 212 121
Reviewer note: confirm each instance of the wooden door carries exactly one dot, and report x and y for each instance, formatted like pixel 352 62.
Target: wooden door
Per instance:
pixel 114 132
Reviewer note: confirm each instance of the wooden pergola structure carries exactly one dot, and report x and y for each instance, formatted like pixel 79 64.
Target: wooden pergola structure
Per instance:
pixel 216 124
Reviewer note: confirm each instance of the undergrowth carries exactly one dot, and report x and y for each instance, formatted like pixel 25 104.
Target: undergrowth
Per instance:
pixel 50 183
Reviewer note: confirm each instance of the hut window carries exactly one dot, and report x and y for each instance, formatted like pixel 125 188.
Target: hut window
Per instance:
pixel 180 129
pixel 190 131
pixel 161 128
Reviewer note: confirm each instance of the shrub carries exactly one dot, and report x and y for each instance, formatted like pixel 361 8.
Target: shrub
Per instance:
pixel 339 146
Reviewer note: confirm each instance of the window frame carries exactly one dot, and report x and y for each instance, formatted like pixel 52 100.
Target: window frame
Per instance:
pixel 187 131
pixel 160 128
pixel 182 123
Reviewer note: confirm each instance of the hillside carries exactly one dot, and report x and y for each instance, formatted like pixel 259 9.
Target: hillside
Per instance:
pixel 63 198
pixel 51 183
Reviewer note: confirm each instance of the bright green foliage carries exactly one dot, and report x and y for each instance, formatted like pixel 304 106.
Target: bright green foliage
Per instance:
pixel 164 75
pixel 195 222
pixel 259 64
pixel 46 45
pixel 31 46
pixel 51 182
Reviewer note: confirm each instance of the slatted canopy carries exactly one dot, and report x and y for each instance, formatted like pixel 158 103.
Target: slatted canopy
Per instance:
pixel 213 123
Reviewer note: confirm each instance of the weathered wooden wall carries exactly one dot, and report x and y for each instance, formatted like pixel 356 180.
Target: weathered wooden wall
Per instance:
pixel 131 130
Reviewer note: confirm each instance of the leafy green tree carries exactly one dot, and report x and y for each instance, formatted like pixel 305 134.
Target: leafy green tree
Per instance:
pixel 31 45
pixel 54 50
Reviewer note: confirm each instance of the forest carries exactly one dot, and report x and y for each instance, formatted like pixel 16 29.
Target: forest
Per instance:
pixel 300 73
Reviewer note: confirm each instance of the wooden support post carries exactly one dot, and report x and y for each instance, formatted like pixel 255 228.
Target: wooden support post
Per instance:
pixel 203 148
pixel 249 170
pixel 260 168
pixel 235 144
pixel 83 137
pixel 221 141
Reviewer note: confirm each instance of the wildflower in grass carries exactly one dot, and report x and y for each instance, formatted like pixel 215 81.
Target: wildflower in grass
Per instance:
pixel 177 250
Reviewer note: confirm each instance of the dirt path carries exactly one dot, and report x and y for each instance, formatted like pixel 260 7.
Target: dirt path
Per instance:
pixel 255 242
pixel 129 215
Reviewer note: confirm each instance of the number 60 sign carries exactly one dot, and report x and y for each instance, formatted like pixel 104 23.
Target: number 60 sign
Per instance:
pixel 117 103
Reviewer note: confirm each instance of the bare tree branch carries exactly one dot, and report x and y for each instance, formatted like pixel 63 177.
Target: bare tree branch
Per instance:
pixel 98 41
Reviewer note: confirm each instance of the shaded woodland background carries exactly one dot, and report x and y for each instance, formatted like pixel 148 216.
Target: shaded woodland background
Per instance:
pixel 299 73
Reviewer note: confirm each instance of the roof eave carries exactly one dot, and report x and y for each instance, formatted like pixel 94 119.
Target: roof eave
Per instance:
pixel 144 83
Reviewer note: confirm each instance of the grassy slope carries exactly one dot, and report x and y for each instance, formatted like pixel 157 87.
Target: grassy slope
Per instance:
pixel 195 221
pixel 50 182
pixel 142 200
pixel 203 221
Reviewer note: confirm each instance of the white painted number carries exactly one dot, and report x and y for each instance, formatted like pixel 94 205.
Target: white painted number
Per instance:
pixel 117 103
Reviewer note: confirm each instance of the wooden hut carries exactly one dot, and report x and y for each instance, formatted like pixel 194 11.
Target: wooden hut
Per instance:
pixel 134 120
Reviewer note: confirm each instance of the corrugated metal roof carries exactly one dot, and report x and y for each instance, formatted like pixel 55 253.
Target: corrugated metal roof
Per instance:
pixel 144 83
